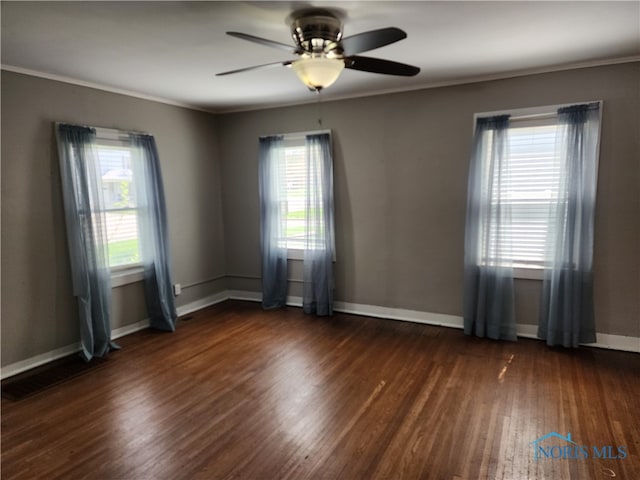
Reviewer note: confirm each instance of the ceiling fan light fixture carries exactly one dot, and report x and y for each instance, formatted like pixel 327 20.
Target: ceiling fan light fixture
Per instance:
pixel 318 71
pixel 323 52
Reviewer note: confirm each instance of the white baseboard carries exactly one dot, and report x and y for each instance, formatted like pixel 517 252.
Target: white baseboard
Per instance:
pixel 366 310
pixel 427 318
pixel 527 331
pixel 613 342
pixel 202 303
pixel 244 295
pixel 604 340
pixel 617 342
pixel 128 329
pixel 33 362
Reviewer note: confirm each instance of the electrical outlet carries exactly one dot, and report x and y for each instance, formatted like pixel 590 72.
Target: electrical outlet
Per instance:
pixel 177 289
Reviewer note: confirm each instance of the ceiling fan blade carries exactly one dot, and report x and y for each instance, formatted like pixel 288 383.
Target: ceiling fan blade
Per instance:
pixel 366 41
pixel 377 65
pixel 265 65
pixel 264 41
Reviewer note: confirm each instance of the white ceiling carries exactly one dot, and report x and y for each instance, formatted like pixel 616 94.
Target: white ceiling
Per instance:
pixel 172 50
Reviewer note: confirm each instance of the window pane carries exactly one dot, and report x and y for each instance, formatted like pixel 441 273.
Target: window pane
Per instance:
pixel 528 183
pixel 122 235
pixel 303 220
pixel 119 193
pixel 295 205
pixel 533 181
pixel 117 177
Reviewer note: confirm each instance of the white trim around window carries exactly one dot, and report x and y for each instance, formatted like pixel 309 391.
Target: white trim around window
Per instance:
pixel 127 275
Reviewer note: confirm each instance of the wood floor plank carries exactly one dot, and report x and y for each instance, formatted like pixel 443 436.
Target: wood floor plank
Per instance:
pixel 237 392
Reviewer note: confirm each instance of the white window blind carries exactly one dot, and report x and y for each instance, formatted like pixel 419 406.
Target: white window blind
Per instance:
pixel 301 208
pixel 294 207
pixel 303 221
pixel 528 182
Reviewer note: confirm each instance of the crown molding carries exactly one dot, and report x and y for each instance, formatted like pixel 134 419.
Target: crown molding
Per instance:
pixel 98 86
pixel 445 83
pixel 249 108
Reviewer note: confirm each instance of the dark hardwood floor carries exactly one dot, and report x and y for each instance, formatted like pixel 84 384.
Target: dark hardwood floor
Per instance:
pixel 241 393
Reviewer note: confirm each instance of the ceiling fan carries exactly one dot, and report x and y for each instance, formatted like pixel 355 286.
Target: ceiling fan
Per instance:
pixel 323 53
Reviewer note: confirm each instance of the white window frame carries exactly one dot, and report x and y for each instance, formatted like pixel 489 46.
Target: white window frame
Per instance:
pixel 121 274
pixel 534 116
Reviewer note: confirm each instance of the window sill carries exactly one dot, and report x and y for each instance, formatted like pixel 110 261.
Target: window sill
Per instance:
pixel 528 273
pixel 298 254
pixel 120 278
pixel 295 254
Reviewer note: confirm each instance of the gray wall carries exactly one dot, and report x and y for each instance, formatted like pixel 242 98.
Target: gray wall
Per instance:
pixel 401 164
pixel 39 313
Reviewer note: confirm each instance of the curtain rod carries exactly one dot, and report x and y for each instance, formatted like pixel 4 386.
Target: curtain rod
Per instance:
pixel 119 131
pixel 537 113
pixel 523 118
pixel 537 116
pixel 298 134
pixel 107 130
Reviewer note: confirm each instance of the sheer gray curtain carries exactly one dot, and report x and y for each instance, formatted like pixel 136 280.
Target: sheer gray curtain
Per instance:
pixel 566 315
pixel 272 227
pixel 153 233
pixel 86 237
pixel 318 252
pixel 488 272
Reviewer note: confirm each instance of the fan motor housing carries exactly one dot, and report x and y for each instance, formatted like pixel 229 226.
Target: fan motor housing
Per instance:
pixel 318 31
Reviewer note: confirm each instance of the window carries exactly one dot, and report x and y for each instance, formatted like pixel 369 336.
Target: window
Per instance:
pixel 118 183
pixel 529 182
pixel 303 223
pixel 296 217
pixel 123 168
pixel 530 214
pixel 294 203
pixel 521 183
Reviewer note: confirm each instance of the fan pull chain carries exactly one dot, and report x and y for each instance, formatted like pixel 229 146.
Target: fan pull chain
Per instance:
pixel 318 93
